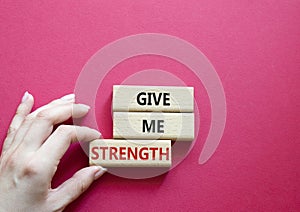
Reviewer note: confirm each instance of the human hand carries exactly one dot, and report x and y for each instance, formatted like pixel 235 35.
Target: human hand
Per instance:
pixel 31 153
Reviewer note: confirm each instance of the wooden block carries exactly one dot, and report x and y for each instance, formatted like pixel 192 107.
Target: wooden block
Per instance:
pixel 138 125
pixel 153 98
pixel 130 153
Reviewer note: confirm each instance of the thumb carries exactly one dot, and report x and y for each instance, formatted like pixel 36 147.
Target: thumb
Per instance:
pixel 75 186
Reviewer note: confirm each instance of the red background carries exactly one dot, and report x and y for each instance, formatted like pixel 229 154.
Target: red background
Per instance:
pixel 253 45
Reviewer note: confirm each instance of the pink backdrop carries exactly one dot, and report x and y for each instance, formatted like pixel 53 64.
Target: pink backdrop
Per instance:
pixel 254 47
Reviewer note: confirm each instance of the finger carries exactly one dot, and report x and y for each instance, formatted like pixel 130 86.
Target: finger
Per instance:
pixel 65 99
pixel 60 140
pixel 28 120
pixel 74 187
pixel 44 121
pixel 22 111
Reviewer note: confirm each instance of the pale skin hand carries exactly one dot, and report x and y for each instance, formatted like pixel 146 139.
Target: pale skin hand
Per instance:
pixel 31 153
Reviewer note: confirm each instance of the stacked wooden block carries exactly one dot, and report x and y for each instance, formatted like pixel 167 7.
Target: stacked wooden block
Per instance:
pixel 145 121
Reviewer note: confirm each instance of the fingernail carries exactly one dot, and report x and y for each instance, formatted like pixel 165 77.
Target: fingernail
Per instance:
pixel 25 96
pixel 98 133
pixel 100 172
pixel 69 97
pixel 85 107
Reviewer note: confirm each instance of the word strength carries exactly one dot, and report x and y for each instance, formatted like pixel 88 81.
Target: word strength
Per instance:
pixel 130 153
